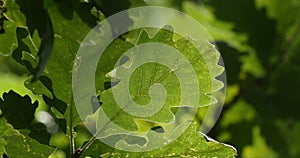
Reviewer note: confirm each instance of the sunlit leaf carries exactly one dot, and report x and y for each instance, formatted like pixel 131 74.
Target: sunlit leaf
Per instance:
pixel 190 144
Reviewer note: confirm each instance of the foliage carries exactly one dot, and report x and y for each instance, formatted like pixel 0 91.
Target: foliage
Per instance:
pixel 38 36
pixel 259 41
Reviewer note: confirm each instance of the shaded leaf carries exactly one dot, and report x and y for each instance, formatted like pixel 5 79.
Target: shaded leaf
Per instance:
pixel 19 111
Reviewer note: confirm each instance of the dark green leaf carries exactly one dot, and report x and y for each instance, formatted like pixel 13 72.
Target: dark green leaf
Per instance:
pixel 19 111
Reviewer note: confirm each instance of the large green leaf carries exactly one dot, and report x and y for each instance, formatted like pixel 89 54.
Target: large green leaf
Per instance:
pixel 204 65
pixel 197 62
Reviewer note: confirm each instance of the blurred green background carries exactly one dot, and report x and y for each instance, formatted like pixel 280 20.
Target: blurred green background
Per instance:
pixel 260 44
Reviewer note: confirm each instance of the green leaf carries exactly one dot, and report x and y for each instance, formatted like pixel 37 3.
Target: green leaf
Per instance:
pixel 24 25
pixel 27 46
pixel 190 144
pixel 5 130
pixel 142 81
pixel 21 144
pixel 150 74
pixel 14 14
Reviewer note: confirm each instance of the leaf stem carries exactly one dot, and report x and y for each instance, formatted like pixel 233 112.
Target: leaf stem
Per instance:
pixel 72 144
